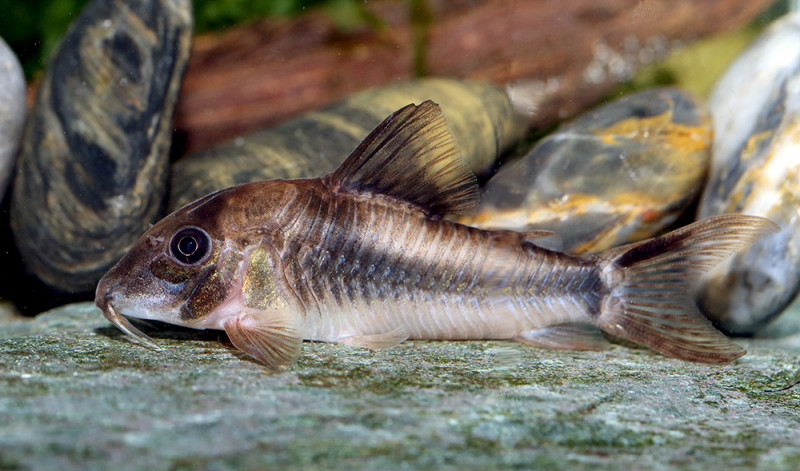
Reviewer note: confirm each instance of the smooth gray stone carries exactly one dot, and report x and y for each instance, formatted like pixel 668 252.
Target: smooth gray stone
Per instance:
pixel 620 173
pixel 12 111
pixel 8 312
pixel 755 170
pixel 74 394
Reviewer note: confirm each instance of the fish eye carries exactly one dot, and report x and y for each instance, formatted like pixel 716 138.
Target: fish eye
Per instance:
pixel 190 245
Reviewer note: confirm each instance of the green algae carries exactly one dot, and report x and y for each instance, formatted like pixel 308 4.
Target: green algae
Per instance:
pixel 75 394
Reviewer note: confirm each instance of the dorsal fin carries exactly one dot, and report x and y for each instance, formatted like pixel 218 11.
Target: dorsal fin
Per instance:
pixel 411 156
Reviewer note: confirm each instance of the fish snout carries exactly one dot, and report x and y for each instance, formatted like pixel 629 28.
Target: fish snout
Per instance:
pixel 103 294
pixel 104 299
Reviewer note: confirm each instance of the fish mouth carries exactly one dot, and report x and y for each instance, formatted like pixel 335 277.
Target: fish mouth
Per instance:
pixel 135 335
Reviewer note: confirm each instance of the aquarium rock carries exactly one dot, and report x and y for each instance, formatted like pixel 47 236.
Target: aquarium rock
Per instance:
pixel 12 111
pixel 756 170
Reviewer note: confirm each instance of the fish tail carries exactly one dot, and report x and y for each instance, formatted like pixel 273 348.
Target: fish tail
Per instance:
pixel 651 287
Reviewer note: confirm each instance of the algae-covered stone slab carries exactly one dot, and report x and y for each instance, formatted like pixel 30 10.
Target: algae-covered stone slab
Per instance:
pixel 74 394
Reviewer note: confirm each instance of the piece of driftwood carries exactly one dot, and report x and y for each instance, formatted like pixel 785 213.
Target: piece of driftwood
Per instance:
pixel 563 53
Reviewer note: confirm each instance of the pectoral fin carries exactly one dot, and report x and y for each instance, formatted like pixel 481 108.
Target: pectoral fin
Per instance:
pixel 272 337
pixel 376 341
pixel 565 337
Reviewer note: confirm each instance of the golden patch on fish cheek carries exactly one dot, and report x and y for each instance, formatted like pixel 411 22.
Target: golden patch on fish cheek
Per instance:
pixel 210 286
pixel 208 294
pixel 259 289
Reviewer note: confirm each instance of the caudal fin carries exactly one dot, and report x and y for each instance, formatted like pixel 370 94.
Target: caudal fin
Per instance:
pixel 652 285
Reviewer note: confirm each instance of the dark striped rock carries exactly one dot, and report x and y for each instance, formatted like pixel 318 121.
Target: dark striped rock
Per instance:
pixel 620 173
pixel 756 170
pixel 12 111
pixel 94 157
pixel 481 116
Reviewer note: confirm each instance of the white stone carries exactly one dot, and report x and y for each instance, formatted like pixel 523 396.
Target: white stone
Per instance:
pixel 12 111
pixel 755 170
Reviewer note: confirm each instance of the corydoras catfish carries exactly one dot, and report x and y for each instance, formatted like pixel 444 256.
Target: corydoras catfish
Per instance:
pixel 363 256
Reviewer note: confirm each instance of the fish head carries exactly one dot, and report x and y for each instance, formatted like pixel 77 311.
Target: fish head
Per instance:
pixel 188 270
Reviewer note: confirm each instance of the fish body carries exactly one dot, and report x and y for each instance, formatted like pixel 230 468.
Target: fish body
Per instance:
pixel 363 256
pixel 354 265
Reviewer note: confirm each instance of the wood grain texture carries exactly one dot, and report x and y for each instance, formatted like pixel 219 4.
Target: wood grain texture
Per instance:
pixel 568 53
